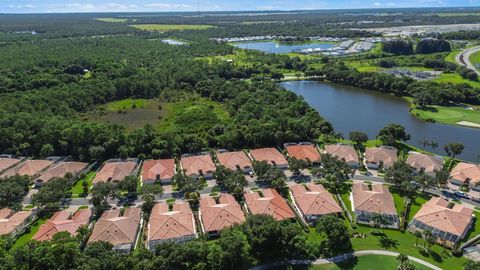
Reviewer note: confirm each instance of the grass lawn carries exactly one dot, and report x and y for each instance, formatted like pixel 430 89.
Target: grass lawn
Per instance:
pixel 451 56
pixel 448 115
pixel 77 189
pixel 399 202
pixel 24 238
pixel 367 262
pixel 113 20
pixel 170 27
pixel 476 227
pixel 126 104
pixel 455 78
pixel 475 59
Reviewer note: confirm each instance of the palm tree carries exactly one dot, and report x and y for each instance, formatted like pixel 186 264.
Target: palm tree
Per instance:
pixel 417 235
pixel 426 236
pixel 378 221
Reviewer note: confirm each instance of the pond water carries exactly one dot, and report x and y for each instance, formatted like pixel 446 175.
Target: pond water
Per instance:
pixel 354 109
pixel 274 47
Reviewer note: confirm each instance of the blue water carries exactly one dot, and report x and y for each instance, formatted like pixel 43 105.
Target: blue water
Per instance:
pixel 273 47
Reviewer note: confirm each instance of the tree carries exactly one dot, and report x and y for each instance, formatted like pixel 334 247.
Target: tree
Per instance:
pixel 231 251
pixel 400 174
pixel 359 138
pixel 335 171
pixel 392 133
pixel 101 192
pixel 429 239
pixel 129 184
pixel 441 177
pixel 337 236
pixel 85 187
pixel 47 150
pixel 270 175
pixel 426 181
pixel 417 234
pixel 51 194
pixel 296 165
pixel 404 263
pixel 432 45
pixel 378 221
pixel 400 47
pixel 454 149
pixel 471 265
pixel 12 191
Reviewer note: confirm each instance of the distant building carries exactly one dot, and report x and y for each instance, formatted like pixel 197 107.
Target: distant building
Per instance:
pixel 235 161
pixel 161 170
pixel 303 151
pixel 60 170
pixel 343 152
pixel 466 174
pixel 176 224
pixel 270 155
pixel 268 202
pixel 196 166
pixel 219 214
pixel 424 163
pixel 448 222
pixel 119 230
pixel 369 201
pixel 115 171
pixel 377 157
pixel 63 221
pixel 27 168
pixel 12 222
pixel 314 201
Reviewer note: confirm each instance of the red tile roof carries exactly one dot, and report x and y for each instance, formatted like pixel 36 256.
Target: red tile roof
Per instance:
pixel 63 221
pixel 378 200
pixel 196 164
pixel 314 199
pixel 466 171
pixel 377 155
pixel 115 229
pixel 270 204
pixel 216 217
pixel 115 171
pixel 6 163
pixel 10 220
pixel 165 224
pixel 303 152
pixel 60 169
pixel 346 152
pixel 233 159
pixel 28 167
pixel 427 162
pixel 270 155
pixel 164 168
pixel 436 214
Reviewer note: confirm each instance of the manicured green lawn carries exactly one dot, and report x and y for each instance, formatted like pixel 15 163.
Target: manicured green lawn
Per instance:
pixel 171 27
pixel 77 189
pixel 455 78
pixel 24 238
pixel 126 104
pixel 448 115
pixel 475 59
pixel 367 262
pixel 451 56
pixel 399 202
pixel 476 227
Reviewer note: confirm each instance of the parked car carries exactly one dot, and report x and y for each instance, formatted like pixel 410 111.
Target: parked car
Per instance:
pixel 461 194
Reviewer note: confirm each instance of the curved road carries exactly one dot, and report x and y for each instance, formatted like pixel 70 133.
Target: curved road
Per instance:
pixel 463 58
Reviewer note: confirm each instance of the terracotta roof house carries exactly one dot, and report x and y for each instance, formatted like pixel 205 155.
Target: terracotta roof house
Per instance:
pixel 303 151
pixel 268 202
pixel 217 215
pixel 120 231
pixel 161 170
pixel 28 167
pixel 368 201
pixel 314 201
pixel 235 161
pixel 6 163
pixel 448 223
pixel 345 152
pixel 175 224
pixel 115 171
pixel 60 170
pixel 466 174
pixel 380 157
pixel 196 166
pixel 424 163
pixel 270 155
pixel 63 221
pixel 12 223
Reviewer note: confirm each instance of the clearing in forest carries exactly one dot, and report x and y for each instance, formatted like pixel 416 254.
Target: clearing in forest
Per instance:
pixel 170 27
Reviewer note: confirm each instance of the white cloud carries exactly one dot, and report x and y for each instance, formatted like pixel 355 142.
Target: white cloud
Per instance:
pixel 377 4
pixel 167 6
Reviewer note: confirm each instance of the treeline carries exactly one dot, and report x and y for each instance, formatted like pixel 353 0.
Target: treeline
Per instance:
pixel 424 46
pixel 429 92
pixel 462 35
pixel 260 239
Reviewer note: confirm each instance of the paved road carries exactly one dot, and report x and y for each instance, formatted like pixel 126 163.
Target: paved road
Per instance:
pixel 463 58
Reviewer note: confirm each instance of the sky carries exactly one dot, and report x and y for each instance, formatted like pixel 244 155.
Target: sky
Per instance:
pixel 49 6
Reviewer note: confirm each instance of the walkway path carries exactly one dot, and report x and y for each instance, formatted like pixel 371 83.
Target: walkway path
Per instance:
pixel 463 58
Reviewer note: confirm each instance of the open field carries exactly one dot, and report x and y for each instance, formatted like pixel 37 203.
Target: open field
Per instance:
pixel 448 115
pixel 113 20
pixel 171 27
pixel 367 262
pixel 126 104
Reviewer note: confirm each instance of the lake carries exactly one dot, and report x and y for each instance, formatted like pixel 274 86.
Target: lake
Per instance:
pixel 354 109
pixel 274 47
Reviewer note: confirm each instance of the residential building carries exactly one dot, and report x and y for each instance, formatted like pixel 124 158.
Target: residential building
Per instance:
pixel 161 170
pixel 6 163
pixel 28 167
pixel 314 201
pixel 343 152
pixel 380 157
pixel 235 161
pixel 449 222
pixel 466 174
pixel 59 170
pixel 170 223
pixel 303 151
pixel 115 171
pixel 63 221
pixel 268 202
pixel 196 166
pixel 371 200
pixel 424 163
pixel 219 213
pixel 12 223
pixel 119 230
pixel 270 155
